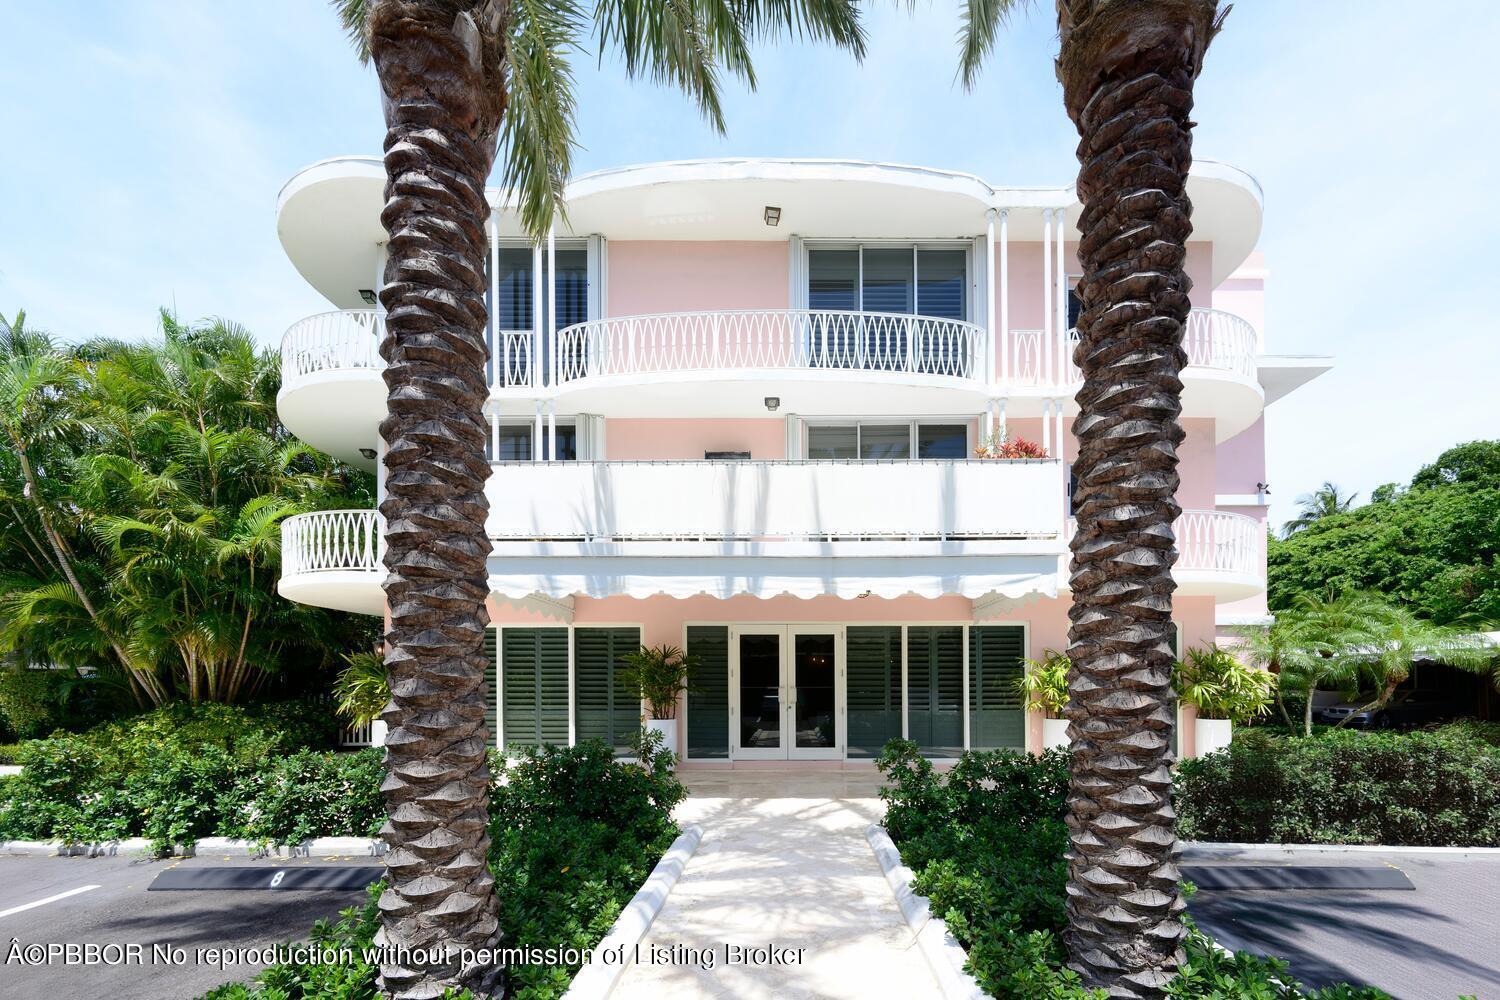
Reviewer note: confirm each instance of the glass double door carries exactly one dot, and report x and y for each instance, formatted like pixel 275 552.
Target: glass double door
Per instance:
pixel 786 692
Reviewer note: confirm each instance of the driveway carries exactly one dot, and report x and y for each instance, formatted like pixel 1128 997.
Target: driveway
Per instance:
pixel 1437 941
pixel 104 901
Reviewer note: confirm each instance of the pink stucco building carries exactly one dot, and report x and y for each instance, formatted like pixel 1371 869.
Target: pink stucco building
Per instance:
pixel 736 406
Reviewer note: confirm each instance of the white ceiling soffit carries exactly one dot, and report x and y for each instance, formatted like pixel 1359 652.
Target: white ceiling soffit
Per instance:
pixel 1280 374
pixel 328 214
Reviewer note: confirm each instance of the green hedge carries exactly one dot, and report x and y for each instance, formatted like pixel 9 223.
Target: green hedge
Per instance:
pixel 987 846
pixel 573 834
pixel 1438 788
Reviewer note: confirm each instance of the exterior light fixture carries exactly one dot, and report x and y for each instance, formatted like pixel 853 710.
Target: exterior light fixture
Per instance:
pixel 1263 487
pixel 861 597
pixel 368 453
pixel 368 294
pixel 773 403
pixel 773 215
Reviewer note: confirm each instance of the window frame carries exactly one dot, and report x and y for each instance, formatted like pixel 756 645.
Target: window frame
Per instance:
pixel 530 426
pixel 912 423
pixel 801 294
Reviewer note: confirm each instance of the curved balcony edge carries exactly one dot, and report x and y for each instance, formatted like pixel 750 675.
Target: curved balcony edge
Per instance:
pixel 1219 554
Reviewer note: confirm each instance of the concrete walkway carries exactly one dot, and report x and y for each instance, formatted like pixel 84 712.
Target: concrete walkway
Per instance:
pixel 784 862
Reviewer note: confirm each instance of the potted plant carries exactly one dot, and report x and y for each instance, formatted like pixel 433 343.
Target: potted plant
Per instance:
pixel 1044 688
pixel 660 673
pixel 1225 690
pixel 362 691
pixel 1005 446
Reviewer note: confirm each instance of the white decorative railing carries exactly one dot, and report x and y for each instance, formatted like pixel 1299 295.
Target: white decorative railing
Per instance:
pixel 1212 541
pixel 332 341
pixel 775 500
pixel 1212 339
pixel 770 339
pixel 510 358
pixel 357 736
pixel 331 540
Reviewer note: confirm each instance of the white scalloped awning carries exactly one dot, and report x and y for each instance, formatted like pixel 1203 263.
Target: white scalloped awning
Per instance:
pixel 976 570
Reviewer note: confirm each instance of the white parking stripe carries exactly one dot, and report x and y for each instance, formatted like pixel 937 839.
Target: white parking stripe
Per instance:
pixel 50 899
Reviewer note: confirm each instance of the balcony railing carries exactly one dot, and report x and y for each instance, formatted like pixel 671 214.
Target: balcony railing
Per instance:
pixel 1213 339
pixel 349 340
pixel 776 500
pixel 331 541
pixel 1212 541
pixel 770 339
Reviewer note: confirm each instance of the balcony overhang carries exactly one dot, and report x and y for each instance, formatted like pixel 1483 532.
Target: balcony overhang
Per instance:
pixel 1281 374
pixel 980 571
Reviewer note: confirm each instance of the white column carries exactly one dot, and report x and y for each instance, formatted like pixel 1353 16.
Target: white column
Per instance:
pixel 1047 347
pixel 379 274
pixel 990 339
pixel 964 659
pixel 538 313
pixel 552 303
pixel 1047 426
pixel 1062 302
pixel 494 436
pixel 1004 281
pixel 492 320
pixel 551 430
pixel 536 433
pixel 1058 435
pixel 1002 428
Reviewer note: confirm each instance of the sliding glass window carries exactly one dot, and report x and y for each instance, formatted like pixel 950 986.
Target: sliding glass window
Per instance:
pixel 891 442
pixel 515 308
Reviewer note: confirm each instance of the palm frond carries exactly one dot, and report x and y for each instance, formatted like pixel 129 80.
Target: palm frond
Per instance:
pixel 353 15
pixel 981 21
pixel 537 133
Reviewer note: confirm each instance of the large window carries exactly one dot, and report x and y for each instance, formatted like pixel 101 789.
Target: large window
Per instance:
pixel 515 442
pixel 878 440
pixel 515 308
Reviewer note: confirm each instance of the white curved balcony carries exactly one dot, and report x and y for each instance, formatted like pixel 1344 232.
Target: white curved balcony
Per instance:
pixel 332 559
pixel 1220 379
pixel 816 361
pixel 1219 554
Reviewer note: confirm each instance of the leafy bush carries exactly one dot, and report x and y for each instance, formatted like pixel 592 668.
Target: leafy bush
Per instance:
pixel 10 753
pixel 308 794
pixel 28 699
pixel 363 688
pixel 1422 789
pixel 1222 686
pixel 573 834
pixel 987 846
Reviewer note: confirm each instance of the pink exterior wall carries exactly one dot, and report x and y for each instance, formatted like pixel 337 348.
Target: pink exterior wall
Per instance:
pixel 630 439
pixel 1241 461
pixel 1244 294
pixel 647 276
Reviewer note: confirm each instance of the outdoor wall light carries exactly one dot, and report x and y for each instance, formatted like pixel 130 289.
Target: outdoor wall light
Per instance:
pixel 1263 487
pixel 773 403
pixel 368 453
pixel 773 215
pixel 368 294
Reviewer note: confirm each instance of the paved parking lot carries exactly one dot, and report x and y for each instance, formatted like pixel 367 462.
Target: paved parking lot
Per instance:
pixel 104 901
pixel 1438 942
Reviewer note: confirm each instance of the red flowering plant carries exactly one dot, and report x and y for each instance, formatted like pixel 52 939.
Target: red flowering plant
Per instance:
pixel 1005 446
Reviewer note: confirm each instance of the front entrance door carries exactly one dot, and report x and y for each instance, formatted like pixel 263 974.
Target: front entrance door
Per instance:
pixel 786 686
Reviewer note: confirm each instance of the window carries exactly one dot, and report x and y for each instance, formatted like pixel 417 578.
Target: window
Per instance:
pixel 515 442
pixel 928 281
pixel 1075 307
pixel 515 308
pixel 890 442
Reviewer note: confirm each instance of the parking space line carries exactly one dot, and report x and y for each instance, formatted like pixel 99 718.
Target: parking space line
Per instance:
pixel 50 899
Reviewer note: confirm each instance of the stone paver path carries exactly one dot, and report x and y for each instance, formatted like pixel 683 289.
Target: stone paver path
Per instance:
pixel 783 862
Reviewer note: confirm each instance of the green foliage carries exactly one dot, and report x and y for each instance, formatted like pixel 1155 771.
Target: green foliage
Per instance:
pixel 660 673
pixel 1423 789
pixel 10 753
pixel 1044 684
pixel 142 489
pixel 363 688
pixel 987 845
pixel 28 700
pixel 1434 547
pixel 1222 686
pixel 573 834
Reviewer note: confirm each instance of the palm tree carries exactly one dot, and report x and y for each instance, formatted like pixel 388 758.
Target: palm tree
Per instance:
pixel 1127 69
pixel 1314 506
pixel 460 80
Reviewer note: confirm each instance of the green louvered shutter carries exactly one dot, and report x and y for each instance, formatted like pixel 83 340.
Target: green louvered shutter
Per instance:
pixel 535 665
pixel 708 692
pixel 996 718
pixel 873 666
pixel 491 705
pixel 607 709
pixel 934 670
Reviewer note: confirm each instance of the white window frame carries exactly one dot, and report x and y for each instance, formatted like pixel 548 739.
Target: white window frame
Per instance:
pixel 804 247
pixel 967 422
pixel 530 425
pixel 594 248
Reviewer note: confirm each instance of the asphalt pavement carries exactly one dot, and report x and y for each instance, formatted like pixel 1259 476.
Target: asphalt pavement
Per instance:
pixel 104 901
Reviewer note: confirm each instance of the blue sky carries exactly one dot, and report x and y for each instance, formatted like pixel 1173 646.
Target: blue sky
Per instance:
pixel 146 143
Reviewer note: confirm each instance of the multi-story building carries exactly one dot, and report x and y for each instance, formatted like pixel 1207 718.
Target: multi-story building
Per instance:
pixel 739 406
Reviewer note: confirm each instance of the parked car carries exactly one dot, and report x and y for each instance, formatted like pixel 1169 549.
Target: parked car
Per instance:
pixel 1407 708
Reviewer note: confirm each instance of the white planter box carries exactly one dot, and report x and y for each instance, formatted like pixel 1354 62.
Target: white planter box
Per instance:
pixel 668 730
pixel 1054 733
pixel 1211 734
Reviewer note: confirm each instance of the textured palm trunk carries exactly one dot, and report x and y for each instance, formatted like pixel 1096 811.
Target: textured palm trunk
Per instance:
pixel 439 68
pixel 1127 68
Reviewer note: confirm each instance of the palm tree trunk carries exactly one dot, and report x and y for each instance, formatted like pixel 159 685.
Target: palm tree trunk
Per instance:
pixel 440 72
pixel 1127 71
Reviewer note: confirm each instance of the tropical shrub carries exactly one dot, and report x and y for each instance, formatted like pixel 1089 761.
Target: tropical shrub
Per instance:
pixel 1422 789
pixel 1043 686
pixel 10 752
pixel 363 688
pixel 1222 686
pixel 28 700
pixel 573 834
pixel 1005 446
pixel 660 673
pixel 987 846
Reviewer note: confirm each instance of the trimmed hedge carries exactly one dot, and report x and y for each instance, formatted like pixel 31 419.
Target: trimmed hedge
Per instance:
pixel 987 845
pixel 1426 789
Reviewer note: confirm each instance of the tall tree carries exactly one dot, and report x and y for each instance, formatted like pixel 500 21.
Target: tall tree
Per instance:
pixel 1127 69
pixel 461 79
pixel 1322 502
